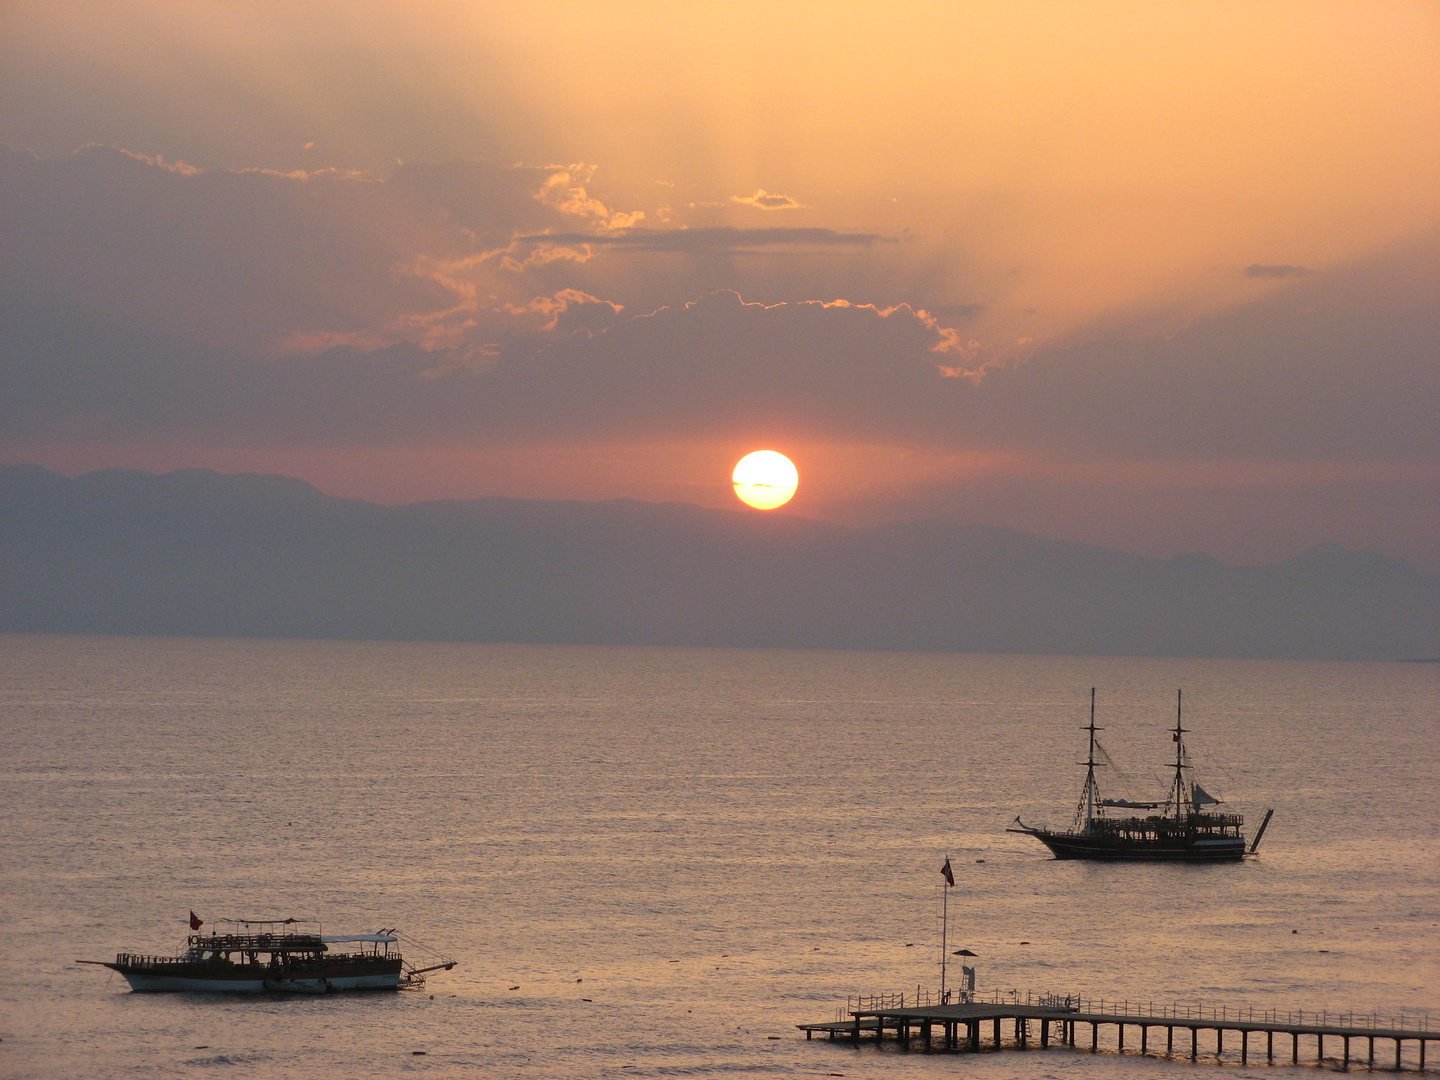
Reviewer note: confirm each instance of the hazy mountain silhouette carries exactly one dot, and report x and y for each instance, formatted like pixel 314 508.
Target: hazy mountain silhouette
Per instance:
pixel 196 552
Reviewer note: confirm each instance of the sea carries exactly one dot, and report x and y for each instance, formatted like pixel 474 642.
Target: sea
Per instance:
pixel 656 862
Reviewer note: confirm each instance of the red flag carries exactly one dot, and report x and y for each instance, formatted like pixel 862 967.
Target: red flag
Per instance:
pixel 195 921
pixel 947 872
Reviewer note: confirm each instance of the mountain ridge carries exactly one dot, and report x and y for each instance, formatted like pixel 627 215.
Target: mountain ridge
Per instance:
pixel 199 552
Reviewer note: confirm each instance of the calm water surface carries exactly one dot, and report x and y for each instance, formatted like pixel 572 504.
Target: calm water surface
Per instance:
pixel 719 843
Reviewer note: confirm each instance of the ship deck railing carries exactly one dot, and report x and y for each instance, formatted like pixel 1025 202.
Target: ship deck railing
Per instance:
pixel 1196 821
pixel 257 942
pixel 126 959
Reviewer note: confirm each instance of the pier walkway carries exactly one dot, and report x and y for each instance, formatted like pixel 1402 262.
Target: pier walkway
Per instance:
pixel 1039 1021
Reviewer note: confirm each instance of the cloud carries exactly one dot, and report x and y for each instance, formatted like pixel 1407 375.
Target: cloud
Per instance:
pixel 497 202
pixel 588 369
pixel 955 312
pixel 765 200
pixel 572 310
pixel 261 262
pixel 1340 368
pixel 447 255
pixel 722 239
pixel 1277 270
pixel 721 364
pixel 467 301
pixel 241 259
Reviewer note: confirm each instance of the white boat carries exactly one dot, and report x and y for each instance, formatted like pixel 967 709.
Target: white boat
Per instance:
pixel 274 956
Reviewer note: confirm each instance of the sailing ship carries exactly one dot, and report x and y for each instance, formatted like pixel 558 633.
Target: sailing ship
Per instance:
pixel 1185 827
pixel 276 956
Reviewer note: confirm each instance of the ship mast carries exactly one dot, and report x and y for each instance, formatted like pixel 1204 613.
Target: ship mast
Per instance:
pixel 1177 790
pixel 1090 795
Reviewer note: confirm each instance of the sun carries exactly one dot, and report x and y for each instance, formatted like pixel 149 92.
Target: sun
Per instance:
pixel 765 479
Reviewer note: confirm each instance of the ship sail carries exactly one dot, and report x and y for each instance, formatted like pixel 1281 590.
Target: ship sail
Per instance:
pixel 1200 797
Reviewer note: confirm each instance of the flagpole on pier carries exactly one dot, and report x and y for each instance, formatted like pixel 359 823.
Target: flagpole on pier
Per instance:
pixel 949 876
pixel 944 935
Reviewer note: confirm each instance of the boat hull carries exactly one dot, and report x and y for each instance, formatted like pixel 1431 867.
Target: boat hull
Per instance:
pixel 257 980
pixel 1197 849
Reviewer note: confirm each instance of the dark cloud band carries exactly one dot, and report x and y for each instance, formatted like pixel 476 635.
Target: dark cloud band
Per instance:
pixel 722 239
pixel 1275 270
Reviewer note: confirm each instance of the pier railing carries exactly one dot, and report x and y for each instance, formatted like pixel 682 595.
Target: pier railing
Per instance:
pixel 924 998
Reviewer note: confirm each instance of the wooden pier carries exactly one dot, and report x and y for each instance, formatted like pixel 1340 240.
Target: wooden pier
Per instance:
pixel 1040 1022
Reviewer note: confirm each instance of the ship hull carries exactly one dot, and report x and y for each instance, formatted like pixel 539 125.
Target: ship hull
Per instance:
pixel 175 977
pixel 1198 849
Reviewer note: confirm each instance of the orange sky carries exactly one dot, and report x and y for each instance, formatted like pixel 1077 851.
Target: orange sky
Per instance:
pixel 1058 188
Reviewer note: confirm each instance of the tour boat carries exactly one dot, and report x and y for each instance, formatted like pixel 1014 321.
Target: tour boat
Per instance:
pixel 1185 828
pixel 277 956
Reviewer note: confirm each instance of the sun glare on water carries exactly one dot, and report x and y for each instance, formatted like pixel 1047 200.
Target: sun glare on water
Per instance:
pixel 765 479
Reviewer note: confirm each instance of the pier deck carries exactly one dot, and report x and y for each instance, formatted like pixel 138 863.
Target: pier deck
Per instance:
pixel 977 1026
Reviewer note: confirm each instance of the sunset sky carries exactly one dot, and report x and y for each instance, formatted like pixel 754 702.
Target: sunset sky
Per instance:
pixel 1158 276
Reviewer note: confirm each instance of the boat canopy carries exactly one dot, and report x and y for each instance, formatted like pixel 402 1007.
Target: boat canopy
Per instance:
pixel 336 939
pixel 264 922
pixel 1131 805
